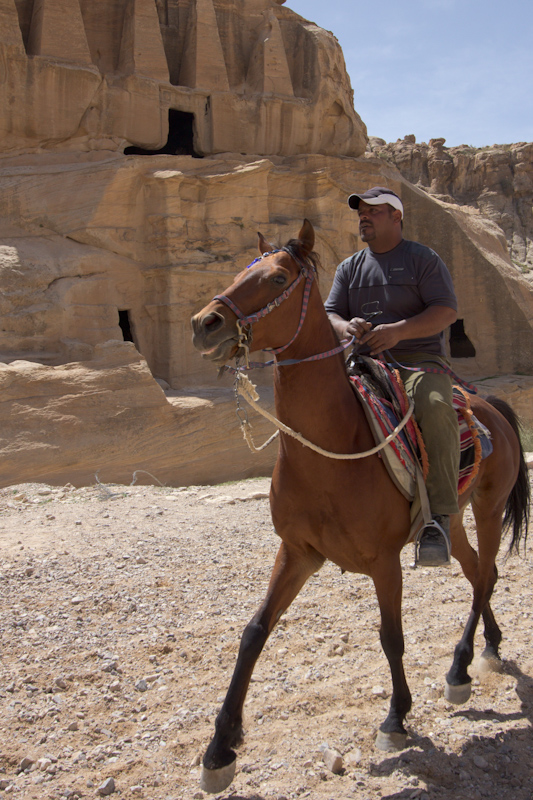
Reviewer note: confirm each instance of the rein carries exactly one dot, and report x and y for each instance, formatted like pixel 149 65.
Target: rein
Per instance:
pixel 245 388
pixel 440 370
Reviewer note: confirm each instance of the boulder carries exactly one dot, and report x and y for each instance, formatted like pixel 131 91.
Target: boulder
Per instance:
pixel 108 419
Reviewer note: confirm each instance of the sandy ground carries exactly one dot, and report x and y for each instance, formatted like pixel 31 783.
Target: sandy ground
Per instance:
pixel 122 608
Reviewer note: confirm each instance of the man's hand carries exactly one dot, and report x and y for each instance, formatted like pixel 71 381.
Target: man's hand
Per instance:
pixel 380 338
pixel 432 320
pixel 358 327
pixel 345 329
pixel 429 322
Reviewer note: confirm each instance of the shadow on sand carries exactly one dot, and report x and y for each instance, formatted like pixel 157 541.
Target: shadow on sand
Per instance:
pixel 505 758
pixel 492 766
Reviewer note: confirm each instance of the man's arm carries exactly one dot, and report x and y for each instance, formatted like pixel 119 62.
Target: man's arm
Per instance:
pixel 432 320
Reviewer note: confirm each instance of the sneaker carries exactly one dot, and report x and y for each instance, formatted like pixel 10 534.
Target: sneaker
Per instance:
pixel 433 546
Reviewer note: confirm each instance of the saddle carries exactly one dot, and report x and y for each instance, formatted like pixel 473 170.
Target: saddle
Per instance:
pixel 385 402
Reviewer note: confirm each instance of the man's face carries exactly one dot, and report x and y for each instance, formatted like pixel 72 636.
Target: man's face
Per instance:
pixel 377 222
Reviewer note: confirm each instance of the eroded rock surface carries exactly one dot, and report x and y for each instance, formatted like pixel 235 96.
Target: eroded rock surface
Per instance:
pixel 107 419
pixel 496 180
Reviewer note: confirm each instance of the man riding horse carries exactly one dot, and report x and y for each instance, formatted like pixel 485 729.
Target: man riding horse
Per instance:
pixel 409 288
pixel 340 504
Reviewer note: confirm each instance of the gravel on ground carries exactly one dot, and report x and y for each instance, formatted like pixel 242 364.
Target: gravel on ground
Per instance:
pixel 121 613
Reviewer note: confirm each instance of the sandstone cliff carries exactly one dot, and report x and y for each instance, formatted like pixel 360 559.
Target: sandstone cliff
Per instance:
pixel 195 76
pixel 120 216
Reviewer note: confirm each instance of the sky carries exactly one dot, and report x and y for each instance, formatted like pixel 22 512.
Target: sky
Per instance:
pixel 458 69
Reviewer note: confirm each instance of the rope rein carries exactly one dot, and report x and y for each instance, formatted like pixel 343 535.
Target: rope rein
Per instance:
pixel 442 369
pixel 246 389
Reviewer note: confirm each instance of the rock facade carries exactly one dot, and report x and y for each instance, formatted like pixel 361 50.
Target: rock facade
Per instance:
pixel 497 181
pixel 148 240
pixel 107 247
pixel 197 76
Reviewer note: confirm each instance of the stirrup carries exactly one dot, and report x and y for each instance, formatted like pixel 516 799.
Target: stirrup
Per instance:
pixel 446 536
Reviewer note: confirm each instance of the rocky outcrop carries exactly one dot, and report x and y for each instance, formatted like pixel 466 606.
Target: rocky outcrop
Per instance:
pixel 497 181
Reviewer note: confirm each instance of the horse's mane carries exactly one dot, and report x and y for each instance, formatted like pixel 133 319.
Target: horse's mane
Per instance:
pixel 294 249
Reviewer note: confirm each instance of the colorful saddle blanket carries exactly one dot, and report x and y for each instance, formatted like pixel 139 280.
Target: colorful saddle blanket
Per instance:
pixel 385 403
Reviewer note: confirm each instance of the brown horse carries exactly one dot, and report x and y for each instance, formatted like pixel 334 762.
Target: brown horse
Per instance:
pixel 347 511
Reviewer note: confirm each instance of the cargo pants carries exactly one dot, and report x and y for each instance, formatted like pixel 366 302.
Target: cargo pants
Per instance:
pixel 437 419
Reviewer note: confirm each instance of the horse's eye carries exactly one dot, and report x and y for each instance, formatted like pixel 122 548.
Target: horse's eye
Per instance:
pixel 279 280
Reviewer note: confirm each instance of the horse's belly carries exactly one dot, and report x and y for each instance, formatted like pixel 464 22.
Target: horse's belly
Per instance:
pixel 349 512
pixel 349 536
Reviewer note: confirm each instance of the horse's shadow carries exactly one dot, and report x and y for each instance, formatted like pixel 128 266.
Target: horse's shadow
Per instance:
pixel 434 765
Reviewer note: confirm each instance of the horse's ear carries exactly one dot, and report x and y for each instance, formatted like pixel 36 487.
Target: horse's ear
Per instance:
pixel 264 246
pixel 307 237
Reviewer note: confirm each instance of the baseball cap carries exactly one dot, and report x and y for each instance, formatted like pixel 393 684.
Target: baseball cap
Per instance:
pixel 375 197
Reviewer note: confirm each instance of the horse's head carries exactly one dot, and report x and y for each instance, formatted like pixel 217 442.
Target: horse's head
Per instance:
pixel 222 329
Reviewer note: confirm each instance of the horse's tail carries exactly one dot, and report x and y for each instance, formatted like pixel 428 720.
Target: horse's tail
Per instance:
pixel 517 507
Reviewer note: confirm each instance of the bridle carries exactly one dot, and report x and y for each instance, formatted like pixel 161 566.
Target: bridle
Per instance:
pixel 245 323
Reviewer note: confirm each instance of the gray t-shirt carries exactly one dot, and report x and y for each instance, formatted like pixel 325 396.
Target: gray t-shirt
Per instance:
pixel 400 284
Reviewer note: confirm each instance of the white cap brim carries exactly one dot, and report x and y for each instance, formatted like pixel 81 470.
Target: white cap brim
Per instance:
pixel 389 199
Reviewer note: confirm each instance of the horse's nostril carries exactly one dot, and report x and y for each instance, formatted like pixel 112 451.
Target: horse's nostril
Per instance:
pixel 212 322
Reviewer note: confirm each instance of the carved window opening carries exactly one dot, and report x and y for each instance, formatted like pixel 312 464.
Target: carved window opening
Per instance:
pixel 126 325
pixel 180 140
pixel 460 344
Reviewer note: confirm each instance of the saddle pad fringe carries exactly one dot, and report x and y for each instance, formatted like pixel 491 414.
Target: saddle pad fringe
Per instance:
pixel 470 440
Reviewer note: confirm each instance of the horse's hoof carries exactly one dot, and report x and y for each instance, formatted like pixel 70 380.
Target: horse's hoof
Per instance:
pixel 457 694
pixel 390 742
pixel 488 662
pixel 215 781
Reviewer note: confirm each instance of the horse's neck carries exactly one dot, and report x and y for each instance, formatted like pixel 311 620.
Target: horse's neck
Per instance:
pixel 315 397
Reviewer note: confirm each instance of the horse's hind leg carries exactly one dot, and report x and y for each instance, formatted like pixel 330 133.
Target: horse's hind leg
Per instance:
pixel 490 657
pixel 388 582
pixel 291 570
pixel 492 633
pixel 482 574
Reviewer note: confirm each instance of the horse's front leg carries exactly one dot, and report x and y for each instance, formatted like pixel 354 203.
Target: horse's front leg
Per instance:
pixel 388 582
pixel 291 570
